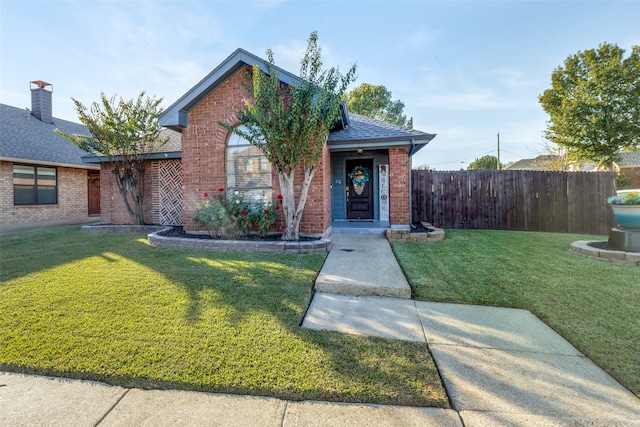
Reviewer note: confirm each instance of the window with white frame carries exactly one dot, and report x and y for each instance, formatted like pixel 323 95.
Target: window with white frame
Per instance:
pixel 35 185
pixel 248 170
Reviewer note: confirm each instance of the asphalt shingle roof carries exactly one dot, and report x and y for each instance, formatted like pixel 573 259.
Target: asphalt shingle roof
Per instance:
pixel 629 159
pixel 24 137
pixel 362 128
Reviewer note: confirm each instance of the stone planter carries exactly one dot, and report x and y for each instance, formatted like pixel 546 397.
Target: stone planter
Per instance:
pixel 627 216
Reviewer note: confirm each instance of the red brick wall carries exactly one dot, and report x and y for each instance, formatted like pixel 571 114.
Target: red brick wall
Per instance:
pixel 72 198
pixel 399 186
pixel 204 143
pixel 633 173
pixel 316 218
pixel 112 208
pixel 204 152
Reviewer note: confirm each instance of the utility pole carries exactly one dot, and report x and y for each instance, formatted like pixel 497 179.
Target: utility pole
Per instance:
pixel 498 150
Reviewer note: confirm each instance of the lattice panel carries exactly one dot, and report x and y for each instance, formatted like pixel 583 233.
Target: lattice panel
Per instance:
pixel 169 192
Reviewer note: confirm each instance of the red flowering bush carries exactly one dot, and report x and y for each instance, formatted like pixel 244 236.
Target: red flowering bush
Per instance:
pixel 226 216
pixel 216 215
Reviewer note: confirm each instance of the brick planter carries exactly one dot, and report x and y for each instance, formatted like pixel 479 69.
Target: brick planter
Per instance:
pixel 433 234
pixel 583 248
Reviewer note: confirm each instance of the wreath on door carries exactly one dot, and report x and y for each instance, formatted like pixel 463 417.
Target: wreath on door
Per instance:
pixel 359 177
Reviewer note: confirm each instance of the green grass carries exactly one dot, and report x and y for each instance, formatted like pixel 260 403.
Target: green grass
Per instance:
pixel 115 309
pixel 594 305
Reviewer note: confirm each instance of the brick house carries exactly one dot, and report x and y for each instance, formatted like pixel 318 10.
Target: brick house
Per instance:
pixel 43 178
pixel 629 164
pixel 364 174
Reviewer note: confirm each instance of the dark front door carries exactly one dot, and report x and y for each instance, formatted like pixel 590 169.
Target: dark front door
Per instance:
pixel 359 181
pixel 94 193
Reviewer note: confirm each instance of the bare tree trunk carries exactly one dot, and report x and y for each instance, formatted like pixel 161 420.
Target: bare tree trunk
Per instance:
pixel 293 214
pixel 121 180
pixel 130 183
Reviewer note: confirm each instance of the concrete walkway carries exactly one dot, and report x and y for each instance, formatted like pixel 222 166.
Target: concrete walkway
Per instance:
pixel 362 264
pixel 500 367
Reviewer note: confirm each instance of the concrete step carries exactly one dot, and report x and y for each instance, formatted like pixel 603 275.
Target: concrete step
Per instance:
pixel 362 264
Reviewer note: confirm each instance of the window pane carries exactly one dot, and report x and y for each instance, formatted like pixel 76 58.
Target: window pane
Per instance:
pixel 47 195
pixel 23 175
pixel 24 195
pixel 263 196
pixel 46 176
pixel 248 170
pixel 238 140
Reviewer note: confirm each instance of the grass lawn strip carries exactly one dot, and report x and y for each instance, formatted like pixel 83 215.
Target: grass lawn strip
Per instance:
pixel 115 309
pixel 592 304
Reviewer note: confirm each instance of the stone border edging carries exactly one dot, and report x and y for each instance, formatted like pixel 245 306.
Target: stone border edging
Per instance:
pixel 320 246
pixel 582 248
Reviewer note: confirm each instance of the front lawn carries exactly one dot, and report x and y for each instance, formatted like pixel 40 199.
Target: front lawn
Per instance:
pixel 115 309
pixel 593 304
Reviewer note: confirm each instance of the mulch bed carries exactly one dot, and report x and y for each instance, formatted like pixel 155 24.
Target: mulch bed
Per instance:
pixel 178 231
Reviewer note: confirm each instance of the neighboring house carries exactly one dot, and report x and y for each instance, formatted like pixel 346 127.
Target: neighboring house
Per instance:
pixel 540 163
pixel 43 178
pixel 550 162
pixel 629 164
pixel 364 173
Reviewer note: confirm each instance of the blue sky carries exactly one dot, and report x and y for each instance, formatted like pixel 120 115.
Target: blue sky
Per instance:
pixel 465 70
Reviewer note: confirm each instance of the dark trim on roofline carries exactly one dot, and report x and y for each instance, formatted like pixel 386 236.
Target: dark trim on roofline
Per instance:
pixel 153 156
pixel 47 163
pixel 416 143
pixel 176 115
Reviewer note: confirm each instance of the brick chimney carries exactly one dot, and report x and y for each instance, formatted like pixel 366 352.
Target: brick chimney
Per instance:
pixel 41 105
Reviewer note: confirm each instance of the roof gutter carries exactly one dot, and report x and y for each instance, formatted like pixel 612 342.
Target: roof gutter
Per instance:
pixel 153 156
pixel 46 163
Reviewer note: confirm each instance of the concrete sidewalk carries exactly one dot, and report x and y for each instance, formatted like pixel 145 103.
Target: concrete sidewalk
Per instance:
pixel 29 400
pixel 499 366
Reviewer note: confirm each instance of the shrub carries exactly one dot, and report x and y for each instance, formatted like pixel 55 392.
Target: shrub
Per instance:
pixel 224 216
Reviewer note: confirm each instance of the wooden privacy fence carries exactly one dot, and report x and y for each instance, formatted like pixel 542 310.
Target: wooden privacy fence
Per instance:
pixel 565 202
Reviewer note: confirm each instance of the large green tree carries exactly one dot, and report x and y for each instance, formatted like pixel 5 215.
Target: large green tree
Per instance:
pixel 125 132
pixel 375 101
pixel 290 123
pixel 594 103
pixel 484 162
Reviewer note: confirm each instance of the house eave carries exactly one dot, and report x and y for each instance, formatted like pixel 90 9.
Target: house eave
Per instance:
pixel 416 143
pixel 153 156
pixel 47 163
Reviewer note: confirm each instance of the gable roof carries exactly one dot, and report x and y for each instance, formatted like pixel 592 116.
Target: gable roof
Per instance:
pixel 26 139
pixel 176 115
pixel 362 132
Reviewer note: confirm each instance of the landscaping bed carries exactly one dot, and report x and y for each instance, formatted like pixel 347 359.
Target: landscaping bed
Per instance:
pixel 176 238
